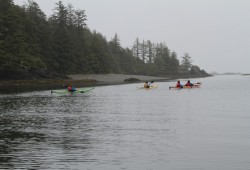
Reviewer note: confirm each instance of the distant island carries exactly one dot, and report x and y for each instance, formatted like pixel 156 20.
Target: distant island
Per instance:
pixel 231 73
pixel 226 73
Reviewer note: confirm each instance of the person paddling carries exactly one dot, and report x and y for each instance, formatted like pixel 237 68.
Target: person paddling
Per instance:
pixel 179 85
pixel 189 84
pixel 146 85
pixel 70 88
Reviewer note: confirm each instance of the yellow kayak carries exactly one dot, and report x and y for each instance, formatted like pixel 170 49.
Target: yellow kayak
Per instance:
pixel 150 87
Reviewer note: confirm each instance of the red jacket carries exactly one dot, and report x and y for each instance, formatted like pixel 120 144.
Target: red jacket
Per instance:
pixel 178 85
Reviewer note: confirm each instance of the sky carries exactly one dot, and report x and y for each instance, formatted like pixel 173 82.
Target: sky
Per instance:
pixel 215 33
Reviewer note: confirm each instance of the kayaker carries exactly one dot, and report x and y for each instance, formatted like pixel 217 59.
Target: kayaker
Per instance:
pixel 146 85
pixel 179 85
pixel 70 88
pixel 189 84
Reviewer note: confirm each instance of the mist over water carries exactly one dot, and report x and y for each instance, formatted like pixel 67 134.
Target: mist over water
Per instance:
pixel 123 127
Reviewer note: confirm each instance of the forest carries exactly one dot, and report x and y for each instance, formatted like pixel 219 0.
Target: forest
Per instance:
pixel 34 46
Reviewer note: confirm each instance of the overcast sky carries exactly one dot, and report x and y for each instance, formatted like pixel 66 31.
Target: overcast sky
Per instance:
pixel 215 33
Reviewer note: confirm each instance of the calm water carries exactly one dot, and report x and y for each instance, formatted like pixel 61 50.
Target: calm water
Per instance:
pixel 122 127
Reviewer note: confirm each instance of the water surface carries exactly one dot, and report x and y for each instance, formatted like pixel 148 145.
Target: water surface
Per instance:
pixel 123 127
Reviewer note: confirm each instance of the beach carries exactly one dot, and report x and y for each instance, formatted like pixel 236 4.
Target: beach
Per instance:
pixel 115 78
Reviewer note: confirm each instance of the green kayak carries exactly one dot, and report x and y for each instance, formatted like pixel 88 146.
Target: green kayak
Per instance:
pixel 78 90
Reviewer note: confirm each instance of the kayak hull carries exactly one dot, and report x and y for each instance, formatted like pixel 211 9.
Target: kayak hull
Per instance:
pixel 78 91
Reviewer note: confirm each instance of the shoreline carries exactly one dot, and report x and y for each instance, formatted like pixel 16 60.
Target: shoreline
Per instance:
pixel 116 78
pixel 78 80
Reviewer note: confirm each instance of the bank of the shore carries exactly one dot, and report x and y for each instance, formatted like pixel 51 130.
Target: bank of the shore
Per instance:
pixel 106 79
pixel 78 80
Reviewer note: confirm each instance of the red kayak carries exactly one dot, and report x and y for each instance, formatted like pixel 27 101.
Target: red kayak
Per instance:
pixel 195 85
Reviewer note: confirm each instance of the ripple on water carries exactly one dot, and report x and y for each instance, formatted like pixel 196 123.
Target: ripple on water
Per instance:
pixel 121 127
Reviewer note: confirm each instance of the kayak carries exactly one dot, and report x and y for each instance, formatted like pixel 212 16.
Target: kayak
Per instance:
pixel 151 87
pixel 195 85
pixel 78 91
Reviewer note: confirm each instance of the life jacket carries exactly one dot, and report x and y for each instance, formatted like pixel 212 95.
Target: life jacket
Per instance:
pixel 188 84
pixel 146 85
pixel 178 85
pixel 70 88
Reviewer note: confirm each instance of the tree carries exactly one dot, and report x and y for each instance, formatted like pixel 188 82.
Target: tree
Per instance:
pixel 80 19
pixel 70 15
pixel 60 15
pixel 186 63
pixel 37 34
pixel 136 48
pixel 15 52
pixel 33 10
pixel 61 42
pixel 115 43
pixel 143 49
pixel 174 63
pixel 150 52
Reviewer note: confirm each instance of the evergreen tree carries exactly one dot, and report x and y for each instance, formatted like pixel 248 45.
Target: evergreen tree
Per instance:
pixel 186 63
pixel 136 48
pixel 80 19
pixel 150 51
pixel 174 63
pixel 61 43
pixel 143 49
pixel 16 55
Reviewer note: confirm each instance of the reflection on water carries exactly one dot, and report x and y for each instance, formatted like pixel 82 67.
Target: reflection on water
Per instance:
pixel 36 130
pixel 123 127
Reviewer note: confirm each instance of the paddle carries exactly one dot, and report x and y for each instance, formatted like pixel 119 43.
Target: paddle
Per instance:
pixel 199 83
pixel 171 87
pixel 150 83
pixel 196 84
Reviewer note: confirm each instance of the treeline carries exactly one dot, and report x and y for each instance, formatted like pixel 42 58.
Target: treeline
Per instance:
pixel 33 45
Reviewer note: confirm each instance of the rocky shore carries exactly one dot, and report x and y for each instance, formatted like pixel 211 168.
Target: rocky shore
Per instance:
pixel 107 79
pixel 78 80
